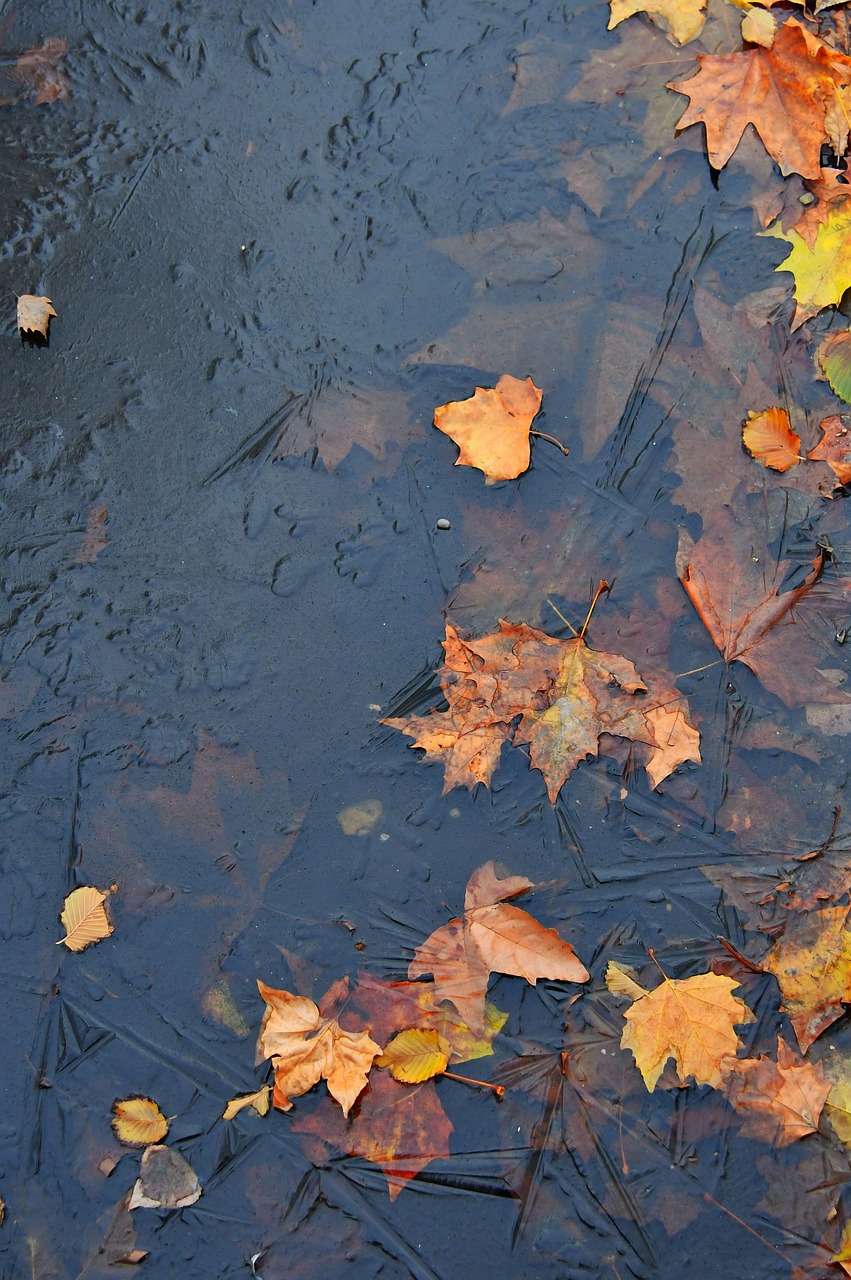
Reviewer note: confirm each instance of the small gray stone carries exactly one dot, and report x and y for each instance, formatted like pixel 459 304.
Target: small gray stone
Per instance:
pixel 444 524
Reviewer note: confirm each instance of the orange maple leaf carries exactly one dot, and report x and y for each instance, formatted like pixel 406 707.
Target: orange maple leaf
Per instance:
pixel 491 429
pixel 306 1047
pixel 491 937
pixel 834 448
pixel 788 93
pixel 811 961
pixel 781 1101
pixel 566 695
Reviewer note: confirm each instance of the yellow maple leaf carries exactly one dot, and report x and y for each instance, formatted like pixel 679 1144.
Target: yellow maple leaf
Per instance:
pixel 138 1121
pixel 822 273
pixel 84 918
pixel 691 1020
pixel 682 19
pixel 416 1055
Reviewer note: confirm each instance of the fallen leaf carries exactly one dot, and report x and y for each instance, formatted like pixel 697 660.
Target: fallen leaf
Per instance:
pixel 491 937
pixel 94 539
pixel 34 313
pixel 360 819
pixel 691 1020
pixel 843 1254
pixel 166 1181
pixel 769 439
pixel 259 1100
pixel 622 981
pixel 415 1055
pixel 683 19
pixel 781 1101
pixel 833 357
pixel 822 272
pixel 84 917
pixel 758 27
pixel 811 961
pixel 305 1048
pixel 389 1007
pixel 834 448
pixel 39 68
pixel 138 1121
pixel 784 92
pixel 566 694
pixel 676 742
pixel 401 1128
pixel 491 429
pixel 838 1106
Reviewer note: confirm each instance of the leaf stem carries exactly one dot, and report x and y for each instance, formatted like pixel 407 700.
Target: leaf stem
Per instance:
pixel 551 439
pixel 558 611
pixel 601 587
pixel 498 1089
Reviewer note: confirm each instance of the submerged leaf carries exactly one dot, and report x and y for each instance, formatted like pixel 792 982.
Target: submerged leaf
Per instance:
pixel 812 963
pixel 84 917
pixel 138 1121
pixel 781 1101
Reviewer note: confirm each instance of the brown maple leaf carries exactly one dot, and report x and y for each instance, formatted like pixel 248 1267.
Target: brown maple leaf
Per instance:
pixel 781 1101
pixel 566 695
pixel 306 1047
pixel 834 448
pixel 400 1127
pixel 786 92
pixel 811 961
pixel 491 937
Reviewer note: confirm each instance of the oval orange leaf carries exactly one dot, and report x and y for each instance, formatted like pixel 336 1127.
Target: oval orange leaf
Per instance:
pixel 768 437
pixel 138 1121
pixel 415 1055
pixel 84 918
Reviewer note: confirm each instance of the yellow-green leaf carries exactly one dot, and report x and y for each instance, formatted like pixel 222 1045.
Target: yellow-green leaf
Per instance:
pixel 823 273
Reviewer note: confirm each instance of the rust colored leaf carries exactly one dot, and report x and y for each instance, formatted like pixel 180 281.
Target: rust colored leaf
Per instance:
pixel 567 696
pixel 94 539
pixel 306 1047
pixel 39 69
pixel 491 429
pixel 734 584
pixel 491 937
pixel 84 917
pixel 34 313
pixel 676 742
pixel 834 448
pixel 768 437
pixel 781 1101
pixel 691 1020
pixel 401 1128
pixel 812 963
pixel 138 1121
pixel 683 19
pixel 784 92
pixel 416 1055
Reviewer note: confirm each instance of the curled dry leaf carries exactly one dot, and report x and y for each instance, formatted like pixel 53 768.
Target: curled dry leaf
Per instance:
pixel 491 429
pixel 567 697
pixel 769 439
pixel 415 1055
pixel 306 1048
pixel 691 1020
pixel 34 313
pixel 834 448
pixel 84 917
pixel 491 937
pixel 781 1101
pixel 138 1121
pixel 682 19
pixel 259 1101
pixel 166 1181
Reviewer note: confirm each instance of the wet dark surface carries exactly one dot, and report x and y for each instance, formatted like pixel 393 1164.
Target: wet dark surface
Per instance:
pixel 277 237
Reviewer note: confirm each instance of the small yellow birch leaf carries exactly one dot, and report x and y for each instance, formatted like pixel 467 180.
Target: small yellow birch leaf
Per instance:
pixel 84 918
pixel 259 1100
pixel 138 1121
pixel 758 27
pixel 682 19
pixel 415 1055
pixel 34 313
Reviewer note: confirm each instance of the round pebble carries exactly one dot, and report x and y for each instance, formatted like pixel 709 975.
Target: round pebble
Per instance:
pixel 444 524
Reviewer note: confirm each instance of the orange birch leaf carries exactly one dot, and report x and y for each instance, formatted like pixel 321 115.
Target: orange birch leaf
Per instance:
pixel 769 439
pixel 834 448
pixel 415 1055
pixel 84 917
pixel 34 313
pixel 811 961
pixel 784 92
pixel 138 1121
pixel 306 1048
pixel 781 1101
pixel 691 1020
pixel 491 429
